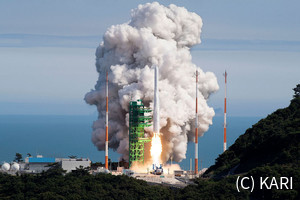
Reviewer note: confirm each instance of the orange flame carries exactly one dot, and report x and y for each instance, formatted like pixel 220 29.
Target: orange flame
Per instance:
pixel 156 149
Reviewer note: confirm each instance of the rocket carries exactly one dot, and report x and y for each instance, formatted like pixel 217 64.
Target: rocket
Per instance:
pixel 156 146
pixel 156 102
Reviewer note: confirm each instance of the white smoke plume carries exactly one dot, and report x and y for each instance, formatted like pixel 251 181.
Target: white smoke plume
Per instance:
pixel 155 35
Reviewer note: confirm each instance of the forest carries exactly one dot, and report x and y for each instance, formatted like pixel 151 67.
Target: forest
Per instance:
pixel 79 184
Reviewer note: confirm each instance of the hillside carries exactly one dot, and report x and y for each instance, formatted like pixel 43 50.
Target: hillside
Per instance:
pixel 273 140
pixel 271 148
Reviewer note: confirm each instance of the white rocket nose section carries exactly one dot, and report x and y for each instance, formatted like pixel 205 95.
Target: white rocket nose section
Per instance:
pixel 156 102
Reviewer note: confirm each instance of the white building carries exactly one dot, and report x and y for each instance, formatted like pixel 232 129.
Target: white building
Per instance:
pixel 73 163
pixel 40 163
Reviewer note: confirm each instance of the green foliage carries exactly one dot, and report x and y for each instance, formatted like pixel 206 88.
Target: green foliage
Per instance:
pixel 297 91
pixel 71 186
pixel 107 186
pixel 72 156
pixel 271 148
pixel 273 140
pixel 209 189
pixel 277 171
pixel 18 157
pixel 54 170
pixel 81 171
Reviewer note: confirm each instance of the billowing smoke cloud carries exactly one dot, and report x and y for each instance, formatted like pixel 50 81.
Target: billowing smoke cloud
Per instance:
pixel 155 35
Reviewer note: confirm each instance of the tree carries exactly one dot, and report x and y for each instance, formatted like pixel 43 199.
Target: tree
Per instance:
pixel 297 91
pixel 81 171
pixel 109 163
pixel 54 170
pixel 18 158
pixel 72 156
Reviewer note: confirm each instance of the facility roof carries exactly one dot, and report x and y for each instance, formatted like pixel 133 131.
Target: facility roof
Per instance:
pixel 41 160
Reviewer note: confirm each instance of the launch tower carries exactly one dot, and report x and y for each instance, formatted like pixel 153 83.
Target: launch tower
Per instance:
pixel 137 122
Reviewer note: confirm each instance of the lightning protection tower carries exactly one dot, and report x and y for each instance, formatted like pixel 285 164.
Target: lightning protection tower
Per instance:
pixel 137 122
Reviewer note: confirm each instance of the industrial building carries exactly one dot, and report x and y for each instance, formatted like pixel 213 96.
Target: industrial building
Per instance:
pixel 39 164
pixel 73 163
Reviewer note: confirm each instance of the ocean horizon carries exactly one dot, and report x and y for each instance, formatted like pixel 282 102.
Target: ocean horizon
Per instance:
pixel 63 136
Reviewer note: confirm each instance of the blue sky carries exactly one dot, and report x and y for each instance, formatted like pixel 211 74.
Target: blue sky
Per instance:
pixel 47 52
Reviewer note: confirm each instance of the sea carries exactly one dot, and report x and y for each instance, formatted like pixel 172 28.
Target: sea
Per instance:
pixel 63 136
